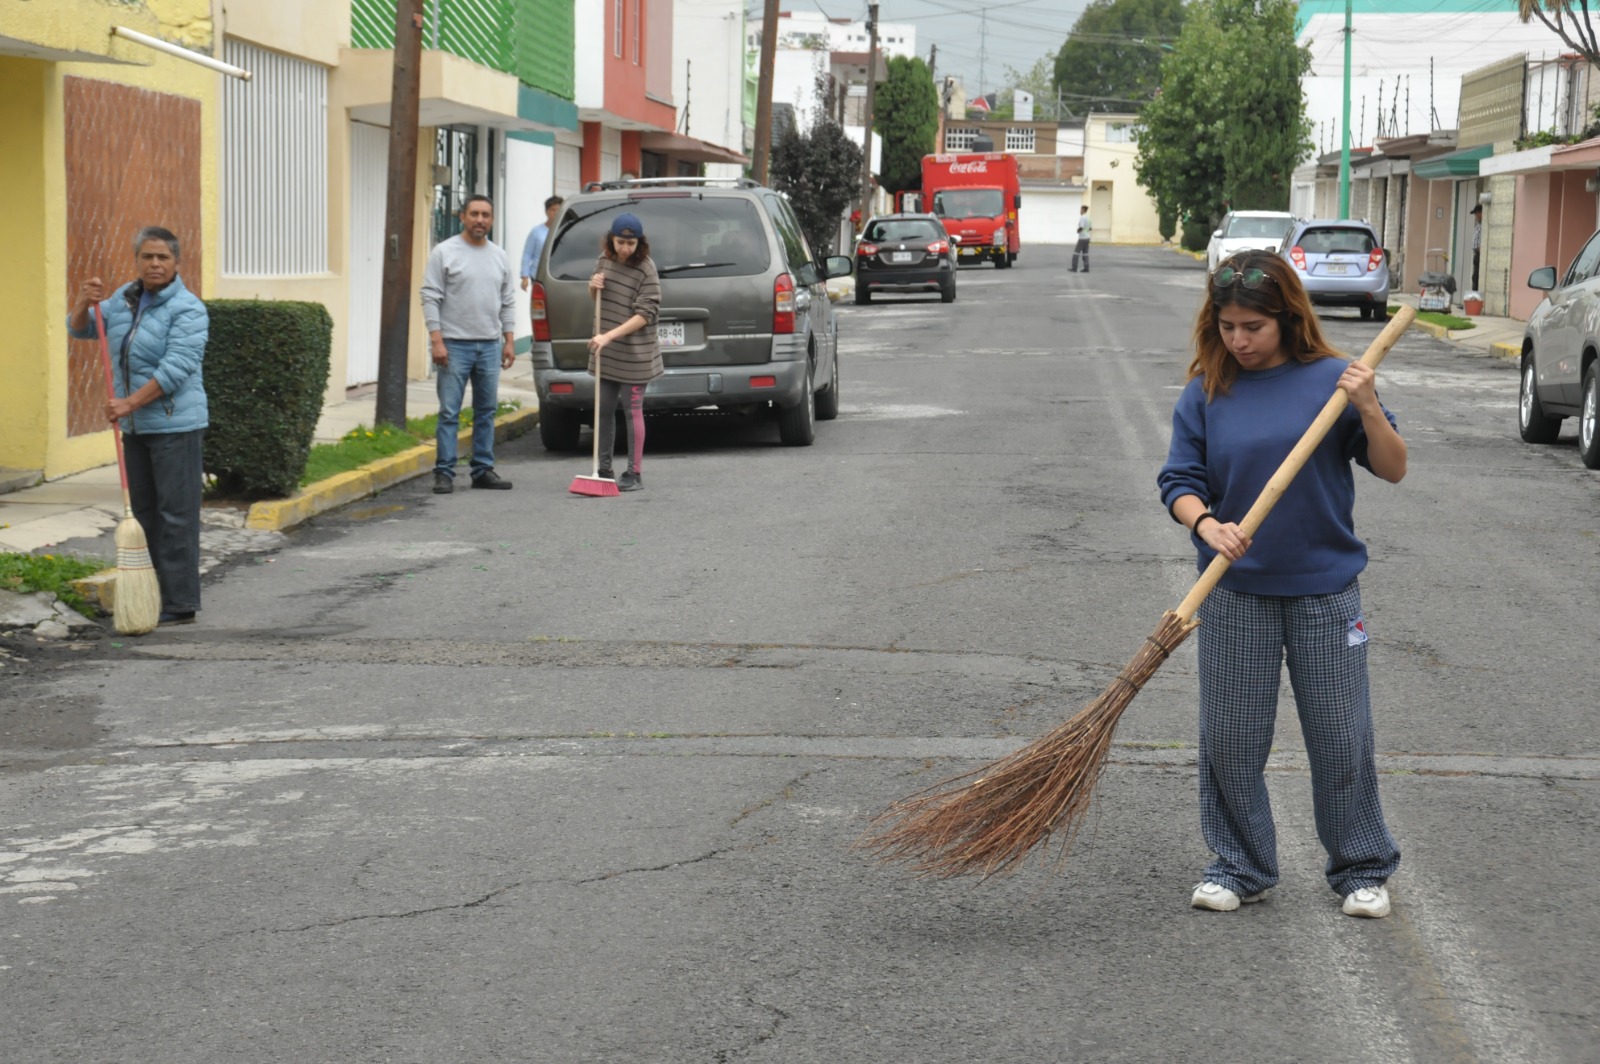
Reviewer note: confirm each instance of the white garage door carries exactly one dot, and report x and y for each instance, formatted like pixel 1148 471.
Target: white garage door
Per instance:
pixel 1049 216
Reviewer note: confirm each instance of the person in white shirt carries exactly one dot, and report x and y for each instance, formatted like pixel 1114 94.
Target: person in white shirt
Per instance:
pixel 1082 250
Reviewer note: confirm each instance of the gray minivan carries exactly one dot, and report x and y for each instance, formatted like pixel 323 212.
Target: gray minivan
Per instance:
pixel 745 322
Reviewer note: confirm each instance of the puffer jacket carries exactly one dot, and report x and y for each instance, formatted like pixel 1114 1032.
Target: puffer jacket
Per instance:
pixel 169 343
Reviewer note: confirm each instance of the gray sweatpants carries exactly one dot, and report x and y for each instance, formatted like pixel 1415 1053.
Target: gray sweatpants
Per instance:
pixel 164 484
pixel 1244 641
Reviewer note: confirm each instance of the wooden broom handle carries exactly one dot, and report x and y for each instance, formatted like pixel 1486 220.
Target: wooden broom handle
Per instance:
pixel 595 467
pixel 1292 465
pixel 111 391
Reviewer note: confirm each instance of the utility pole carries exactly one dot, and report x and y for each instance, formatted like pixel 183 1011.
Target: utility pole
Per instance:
pixel 866 118
pixel 400 217
pixel 762 157
pixel 1344 150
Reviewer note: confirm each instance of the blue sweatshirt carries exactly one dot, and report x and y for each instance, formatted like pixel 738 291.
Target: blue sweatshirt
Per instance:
pixel 1226 450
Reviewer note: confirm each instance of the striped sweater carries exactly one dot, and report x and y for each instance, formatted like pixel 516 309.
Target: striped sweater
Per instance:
pixel 629 290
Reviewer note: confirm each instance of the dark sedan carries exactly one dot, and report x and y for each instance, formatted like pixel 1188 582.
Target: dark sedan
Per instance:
pixel 905 253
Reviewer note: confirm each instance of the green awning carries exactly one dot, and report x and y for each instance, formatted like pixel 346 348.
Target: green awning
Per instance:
pixel 1463 163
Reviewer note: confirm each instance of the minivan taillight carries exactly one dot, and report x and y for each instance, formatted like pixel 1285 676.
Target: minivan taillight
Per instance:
pixel 938 247
pixel 783 305
pixel 536 310
pixel 1374 259
pixel 866 250
pixel 1297 255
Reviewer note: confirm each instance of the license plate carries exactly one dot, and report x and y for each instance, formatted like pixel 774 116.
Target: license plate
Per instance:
pixel 1335 267
pixel 901 256
pixel 967 252
pixel 670 333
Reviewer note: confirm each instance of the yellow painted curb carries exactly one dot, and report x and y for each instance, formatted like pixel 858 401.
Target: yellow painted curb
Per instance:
pixel 1506 351
pixel 1431 329
pixel 277 515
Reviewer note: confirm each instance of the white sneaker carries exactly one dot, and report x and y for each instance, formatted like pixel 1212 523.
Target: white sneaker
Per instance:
pixel 1218 898
pixel 1367 901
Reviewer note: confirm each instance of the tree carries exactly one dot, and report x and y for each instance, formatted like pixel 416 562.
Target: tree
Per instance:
pixel 1111 61
pixel 1212 139
pixel 1566 20
pixel 820 171
pixel 906 116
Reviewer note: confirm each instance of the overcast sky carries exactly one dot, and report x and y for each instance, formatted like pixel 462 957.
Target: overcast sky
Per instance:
pixel 977 39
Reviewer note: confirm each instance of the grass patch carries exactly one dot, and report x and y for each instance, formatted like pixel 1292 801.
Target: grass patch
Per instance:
pixel 362 444
pixel 27 573
pixel 1433 317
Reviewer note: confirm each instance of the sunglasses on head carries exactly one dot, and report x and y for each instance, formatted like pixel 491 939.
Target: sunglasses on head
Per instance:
pixel 1252 278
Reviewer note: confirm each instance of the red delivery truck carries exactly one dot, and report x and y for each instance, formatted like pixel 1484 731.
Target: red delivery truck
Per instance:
pixel 977 195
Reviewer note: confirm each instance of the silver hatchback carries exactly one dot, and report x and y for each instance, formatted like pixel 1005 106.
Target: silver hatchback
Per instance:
pixel 1560 370
pixel 745 322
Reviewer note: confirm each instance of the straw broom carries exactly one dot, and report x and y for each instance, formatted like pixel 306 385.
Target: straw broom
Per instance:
pixel 987 821
pixel 136 606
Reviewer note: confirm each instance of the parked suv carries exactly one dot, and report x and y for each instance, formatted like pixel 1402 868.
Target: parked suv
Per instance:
pixel 745 320
pixel 1560 365
pixel 1342 264
pixel 905 252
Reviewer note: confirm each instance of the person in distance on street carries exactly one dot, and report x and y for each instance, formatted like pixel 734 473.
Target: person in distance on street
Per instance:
pixel 469 299
pixel 157 331
pixel 1081 249
pixel 629 291
pixel 1261 373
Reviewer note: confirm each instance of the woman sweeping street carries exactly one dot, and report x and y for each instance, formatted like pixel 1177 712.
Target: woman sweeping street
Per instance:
pixel 626 346
pixel 1261 372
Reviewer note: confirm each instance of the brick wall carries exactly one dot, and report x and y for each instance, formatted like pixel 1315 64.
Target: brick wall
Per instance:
pixel 132 159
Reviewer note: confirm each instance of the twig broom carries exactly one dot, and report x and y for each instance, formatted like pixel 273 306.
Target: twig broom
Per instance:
pixel 136 603
pixel 987 821
pixel 594 484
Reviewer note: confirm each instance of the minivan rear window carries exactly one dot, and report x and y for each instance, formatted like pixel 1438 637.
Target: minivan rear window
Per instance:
pixel 689 235
pixel 1336 241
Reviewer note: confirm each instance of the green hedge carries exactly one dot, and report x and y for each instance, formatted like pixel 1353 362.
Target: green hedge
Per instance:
pixel 266 371
pixel 1196 234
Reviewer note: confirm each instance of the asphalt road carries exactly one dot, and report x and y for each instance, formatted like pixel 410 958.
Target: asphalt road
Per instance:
pixel 530 777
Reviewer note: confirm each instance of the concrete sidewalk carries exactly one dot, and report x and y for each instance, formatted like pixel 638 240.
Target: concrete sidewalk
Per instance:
pixel 1501 337
pixel 87 506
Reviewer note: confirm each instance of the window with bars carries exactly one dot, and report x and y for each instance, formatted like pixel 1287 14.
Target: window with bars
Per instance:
pixel 274 165
pixel 637 18
pixel 1018 139
pixel 959 138
pixel 616 32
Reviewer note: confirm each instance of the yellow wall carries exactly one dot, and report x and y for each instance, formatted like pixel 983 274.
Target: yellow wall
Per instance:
pixel 307 29
pixel 34 184
pixel 24 367
pixel 1134 218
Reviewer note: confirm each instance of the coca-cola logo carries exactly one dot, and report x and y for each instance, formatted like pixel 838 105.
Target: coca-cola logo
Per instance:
pixel 977 166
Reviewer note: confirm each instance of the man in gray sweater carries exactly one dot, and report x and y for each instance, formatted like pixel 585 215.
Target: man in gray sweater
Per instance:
pixel 469 296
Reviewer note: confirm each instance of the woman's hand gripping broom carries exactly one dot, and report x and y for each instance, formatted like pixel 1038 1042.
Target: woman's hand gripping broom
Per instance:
pixel 987 821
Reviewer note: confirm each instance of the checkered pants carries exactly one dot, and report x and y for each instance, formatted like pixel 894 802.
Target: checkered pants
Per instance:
pixel 1243 642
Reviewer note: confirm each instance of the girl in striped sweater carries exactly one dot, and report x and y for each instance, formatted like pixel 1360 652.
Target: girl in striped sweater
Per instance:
pixel 629 291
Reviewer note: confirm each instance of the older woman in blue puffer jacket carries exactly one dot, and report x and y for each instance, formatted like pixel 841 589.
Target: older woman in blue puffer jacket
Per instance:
pixel 157 331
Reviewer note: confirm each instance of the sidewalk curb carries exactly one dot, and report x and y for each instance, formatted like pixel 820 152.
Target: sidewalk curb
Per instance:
pixel 1509 352
pixel 279 515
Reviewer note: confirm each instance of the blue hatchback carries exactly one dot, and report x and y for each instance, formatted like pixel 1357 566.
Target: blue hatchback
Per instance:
pixel 1342 263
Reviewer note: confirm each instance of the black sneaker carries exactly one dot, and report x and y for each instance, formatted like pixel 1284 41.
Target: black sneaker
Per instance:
pixel 491 481
pixel 630 481
pixel 443 483
pixel 166 620
pixel 605 471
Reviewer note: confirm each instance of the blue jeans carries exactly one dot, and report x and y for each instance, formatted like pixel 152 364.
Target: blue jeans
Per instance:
pixel 477 361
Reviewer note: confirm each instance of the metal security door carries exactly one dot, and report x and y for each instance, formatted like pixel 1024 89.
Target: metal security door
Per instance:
pixel 369 183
